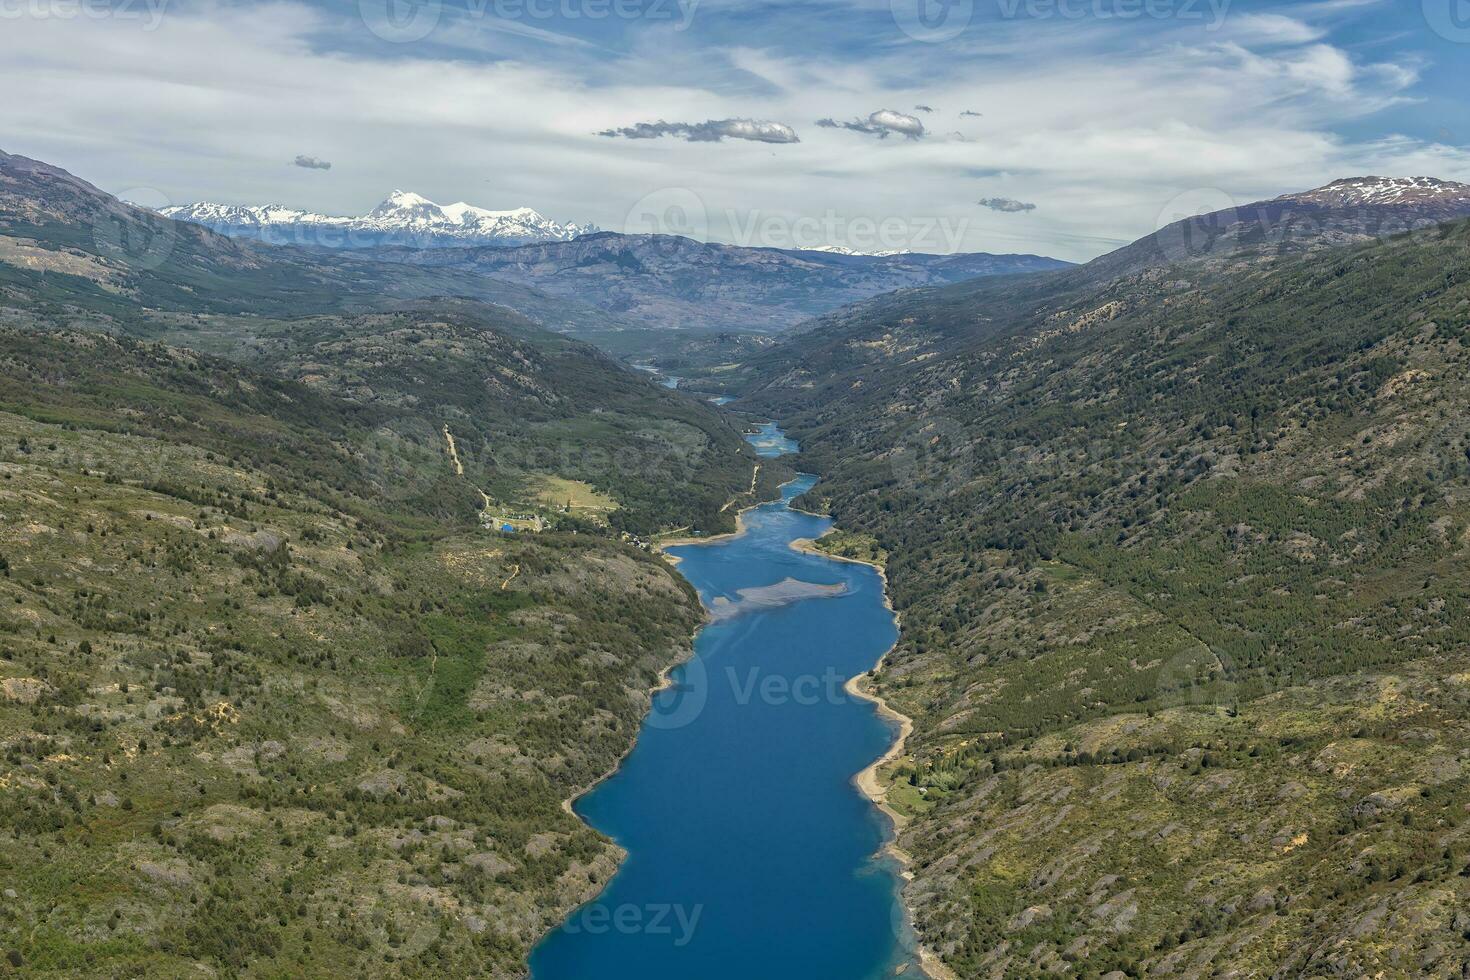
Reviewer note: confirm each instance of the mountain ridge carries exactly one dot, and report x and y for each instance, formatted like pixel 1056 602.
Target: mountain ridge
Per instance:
pixel 402 218
pixel 1179 552
pixel 675 283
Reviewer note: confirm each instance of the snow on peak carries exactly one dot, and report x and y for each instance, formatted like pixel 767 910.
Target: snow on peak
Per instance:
pixel 1384 191
pixel 402 218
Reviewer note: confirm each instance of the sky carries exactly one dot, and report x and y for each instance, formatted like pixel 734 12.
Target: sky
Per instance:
pixel 1057 127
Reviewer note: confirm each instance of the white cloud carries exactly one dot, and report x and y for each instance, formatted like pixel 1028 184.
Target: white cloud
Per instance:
pixel 1007 205
pixel 1104 130
pixel 711 131
pixel 882 124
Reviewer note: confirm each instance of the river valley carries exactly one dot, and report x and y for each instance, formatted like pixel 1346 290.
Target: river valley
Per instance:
pixel 750 851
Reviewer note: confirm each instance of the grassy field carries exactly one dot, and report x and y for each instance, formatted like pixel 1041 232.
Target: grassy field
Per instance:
pixel 572 497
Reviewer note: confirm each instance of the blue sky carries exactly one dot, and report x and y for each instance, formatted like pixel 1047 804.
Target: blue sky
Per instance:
pixel 1081 123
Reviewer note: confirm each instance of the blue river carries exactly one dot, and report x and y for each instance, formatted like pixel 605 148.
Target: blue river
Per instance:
pixel 751 854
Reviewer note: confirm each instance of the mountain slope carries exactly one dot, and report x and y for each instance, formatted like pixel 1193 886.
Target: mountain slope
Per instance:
pixel 1180 558
pixel 65 245
pixel 866 342
pixel 678 283
pixel 273 700
pixel 403 218
pixel 1344 212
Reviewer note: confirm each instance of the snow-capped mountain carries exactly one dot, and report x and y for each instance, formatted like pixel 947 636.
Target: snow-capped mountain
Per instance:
pixel 844 250
pixel 1384 191
pixel 404 218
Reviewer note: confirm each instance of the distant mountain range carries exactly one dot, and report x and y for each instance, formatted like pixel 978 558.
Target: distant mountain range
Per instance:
pixel 659 282
pixel 404 218
pixel 669 282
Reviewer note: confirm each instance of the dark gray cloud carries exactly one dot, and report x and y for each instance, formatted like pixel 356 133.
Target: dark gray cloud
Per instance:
pixel 881 124
pixel 923 108
pixel 710 131
pixel 1008 205
pixel 971 112
pixel 311 163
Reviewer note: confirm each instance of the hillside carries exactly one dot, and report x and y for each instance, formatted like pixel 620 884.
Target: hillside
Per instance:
pixel 67 247
pixel 1180 556
pixel 273 701
pixel 674 283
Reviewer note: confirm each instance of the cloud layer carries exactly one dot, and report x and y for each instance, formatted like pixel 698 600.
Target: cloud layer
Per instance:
pixel 310 163
pixel 710 131
pixel 883 123
pixel 1115 126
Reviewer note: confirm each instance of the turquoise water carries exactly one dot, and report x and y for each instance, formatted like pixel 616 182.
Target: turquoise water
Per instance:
pixel 750 852
pixel 771 442
pixel 667 380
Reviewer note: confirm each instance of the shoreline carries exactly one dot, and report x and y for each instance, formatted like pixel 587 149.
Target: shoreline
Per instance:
pixel 662 683
pixel 729 535
pixel 866 781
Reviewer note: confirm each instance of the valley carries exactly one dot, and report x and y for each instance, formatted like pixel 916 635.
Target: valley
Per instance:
pixel 330 578
pixel 274 700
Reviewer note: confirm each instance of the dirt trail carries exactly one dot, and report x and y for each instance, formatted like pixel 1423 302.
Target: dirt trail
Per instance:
pixel 453 452
pixel 513 573
pixel 754 476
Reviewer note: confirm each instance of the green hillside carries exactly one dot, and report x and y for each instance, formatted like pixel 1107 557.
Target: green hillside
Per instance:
pixel 1181 562
pixel 273 701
